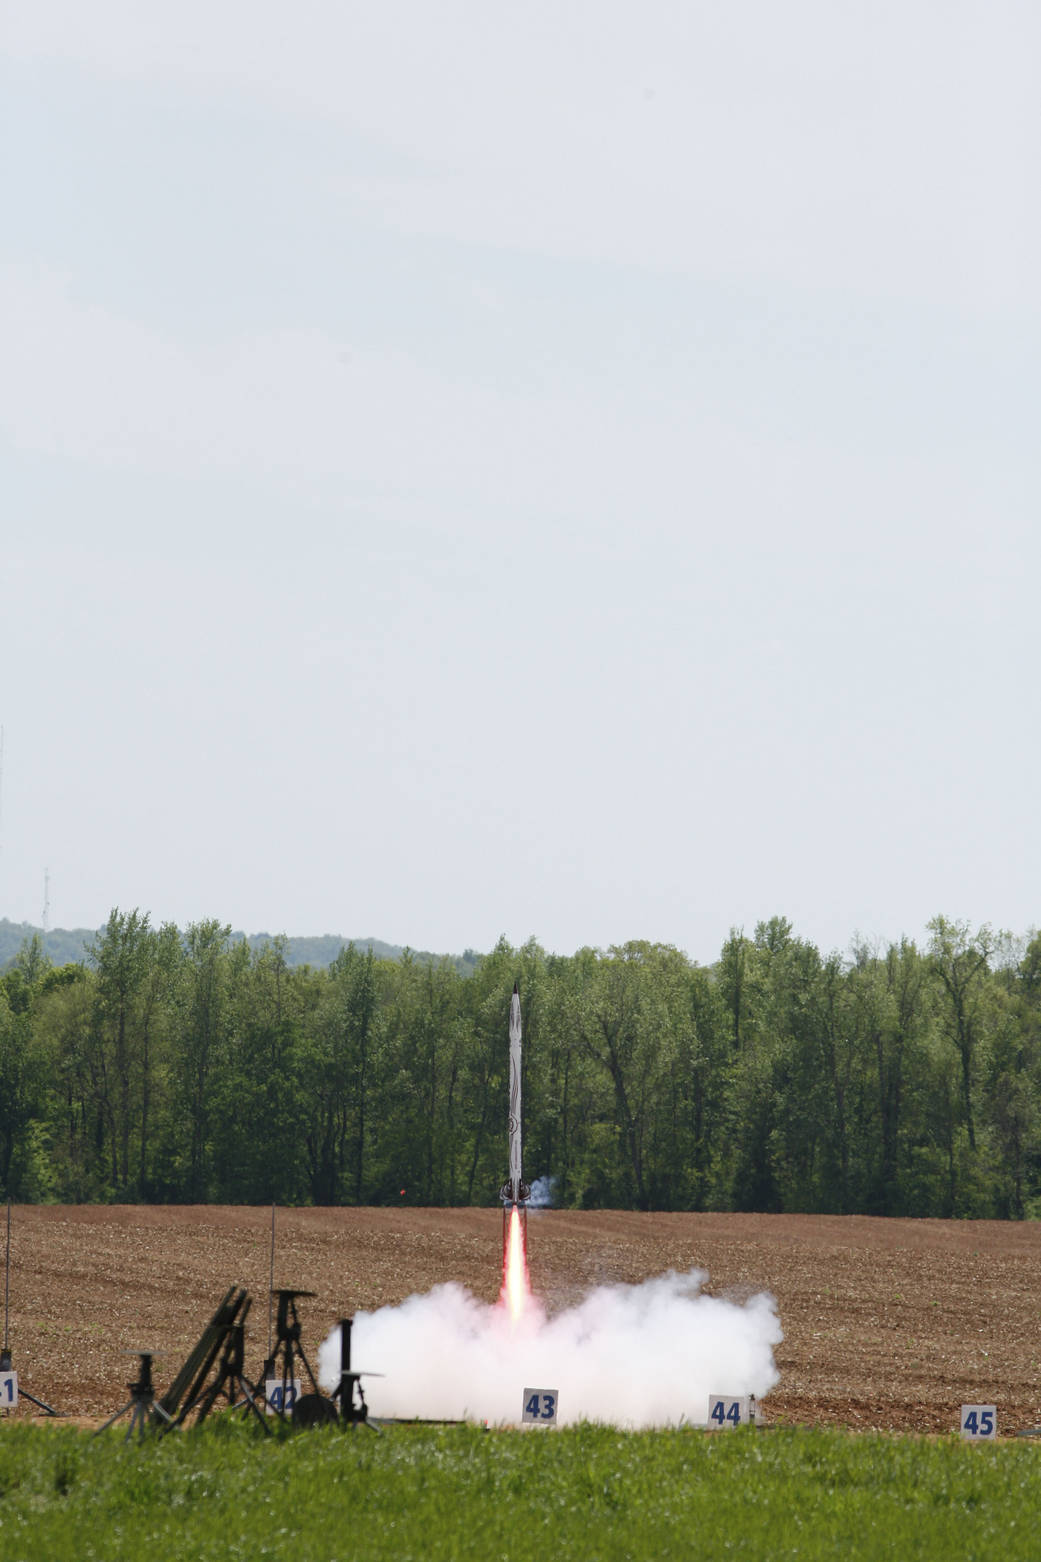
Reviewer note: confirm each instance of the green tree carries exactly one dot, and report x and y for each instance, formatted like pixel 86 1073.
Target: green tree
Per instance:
pixel 1013 1086
pixel 21 1081
pixel 120 956
pixel 960 959
pixel 63 1008
pixel 426 1044
pixel 736 980
pixel 343 1050
pixel 807 1128
pixel 259 1095
pixel 708 1066
pixel 134 968
pixel 483 1069
pixel 631 1013
pixel 771 1156
pixel 201 1040
pixel 890 1008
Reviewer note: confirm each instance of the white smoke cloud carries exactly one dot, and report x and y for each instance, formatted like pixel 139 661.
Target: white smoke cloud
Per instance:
pixel 543 1192
pixel 630 1356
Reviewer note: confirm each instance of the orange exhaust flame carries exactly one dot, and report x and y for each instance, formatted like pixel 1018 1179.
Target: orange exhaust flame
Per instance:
pixel 516 1287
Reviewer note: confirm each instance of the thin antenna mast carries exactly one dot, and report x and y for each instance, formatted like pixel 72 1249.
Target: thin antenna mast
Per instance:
pixel 7 1275
pixel 5 1353
pixel 271 1286
pixel 46 900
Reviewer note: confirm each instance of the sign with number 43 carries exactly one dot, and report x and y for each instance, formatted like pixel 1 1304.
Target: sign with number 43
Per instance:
pixel 540 1404
pixel 979 1421
pixel 8 1390
pixel 726 1411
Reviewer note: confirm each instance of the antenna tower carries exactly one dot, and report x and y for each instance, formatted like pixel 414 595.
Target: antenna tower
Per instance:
pixel 46 900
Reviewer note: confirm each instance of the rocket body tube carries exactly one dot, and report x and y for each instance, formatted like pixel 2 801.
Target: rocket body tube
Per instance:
pixel 515 1190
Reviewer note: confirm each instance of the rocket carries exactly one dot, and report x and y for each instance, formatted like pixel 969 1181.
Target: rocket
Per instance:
pixel 515 1190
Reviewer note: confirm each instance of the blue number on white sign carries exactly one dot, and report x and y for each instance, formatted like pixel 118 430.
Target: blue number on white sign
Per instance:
pixel 540 1404
pixel 979 1421
pixel 543 1407
pixel 725 1411
pixel 280 1397
pixel 8 1388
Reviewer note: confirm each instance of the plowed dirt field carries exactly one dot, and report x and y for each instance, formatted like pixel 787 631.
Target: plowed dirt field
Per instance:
pixel 889 1324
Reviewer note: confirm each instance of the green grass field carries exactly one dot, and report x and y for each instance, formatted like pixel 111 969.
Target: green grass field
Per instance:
pixel 459 1492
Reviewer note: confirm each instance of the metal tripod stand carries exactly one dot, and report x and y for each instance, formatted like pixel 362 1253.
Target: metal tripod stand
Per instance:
pixel 231 1380
pixel 141 1406
pixel 287 1348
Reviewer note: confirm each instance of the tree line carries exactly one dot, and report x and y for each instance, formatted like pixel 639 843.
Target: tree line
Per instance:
pixel 186 1066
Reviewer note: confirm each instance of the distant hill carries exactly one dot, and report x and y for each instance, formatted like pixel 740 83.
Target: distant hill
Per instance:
pixel 66 945
pixel 63 946
pixel 323 948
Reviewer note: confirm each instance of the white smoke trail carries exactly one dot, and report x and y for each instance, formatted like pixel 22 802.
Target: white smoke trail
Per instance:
pixel 630 1356
pixel 543 1190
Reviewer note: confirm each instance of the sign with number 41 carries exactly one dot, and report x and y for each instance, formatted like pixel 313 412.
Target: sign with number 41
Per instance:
pixel 8 1390
pixel 540 1404
pixel 979 1421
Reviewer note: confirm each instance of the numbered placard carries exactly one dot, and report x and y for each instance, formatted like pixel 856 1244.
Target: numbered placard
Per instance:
pixel 979 1421
pixel 281 1397
pixel 725 1411
pixel 540 1405
pixel 8 1390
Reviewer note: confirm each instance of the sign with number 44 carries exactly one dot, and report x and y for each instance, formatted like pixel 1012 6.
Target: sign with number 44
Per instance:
pixel 979 1421
pixel 540 1404
pixel 726 1411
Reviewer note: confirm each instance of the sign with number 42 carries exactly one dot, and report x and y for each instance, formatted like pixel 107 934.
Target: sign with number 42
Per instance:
pixel 979 1421
pixel 540 1404
pixel 281 1398
pixel 726 1411
pixel 8 1390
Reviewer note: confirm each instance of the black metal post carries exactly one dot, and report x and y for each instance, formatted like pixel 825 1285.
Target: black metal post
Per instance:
pixel 350 1413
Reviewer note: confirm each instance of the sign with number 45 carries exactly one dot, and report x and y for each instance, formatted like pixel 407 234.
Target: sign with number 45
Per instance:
pixel 979 1421
pixel 540 1404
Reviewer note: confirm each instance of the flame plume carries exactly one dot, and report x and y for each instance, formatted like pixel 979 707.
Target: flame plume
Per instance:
pixel 516 1286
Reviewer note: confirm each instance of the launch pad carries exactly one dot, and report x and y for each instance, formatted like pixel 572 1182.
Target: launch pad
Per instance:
pixel 214 1375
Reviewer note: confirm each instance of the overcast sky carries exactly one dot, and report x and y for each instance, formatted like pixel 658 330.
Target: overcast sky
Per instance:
pixel 565 470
